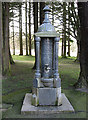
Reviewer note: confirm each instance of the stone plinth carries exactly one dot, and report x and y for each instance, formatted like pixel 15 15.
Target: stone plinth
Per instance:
pixel 46 96
pixel 28 108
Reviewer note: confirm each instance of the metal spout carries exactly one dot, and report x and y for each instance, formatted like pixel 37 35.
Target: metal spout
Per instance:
pixel 46 68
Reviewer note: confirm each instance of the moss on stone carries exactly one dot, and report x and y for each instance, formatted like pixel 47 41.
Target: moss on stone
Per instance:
pixel 37 102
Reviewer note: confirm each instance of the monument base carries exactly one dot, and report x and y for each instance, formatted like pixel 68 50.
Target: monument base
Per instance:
pixel 28 108
pixel 46 96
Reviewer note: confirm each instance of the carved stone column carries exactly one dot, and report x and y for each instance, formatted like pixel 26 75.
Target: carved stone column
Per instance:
pixel 37 73
pixel 56 40
pixel 57 81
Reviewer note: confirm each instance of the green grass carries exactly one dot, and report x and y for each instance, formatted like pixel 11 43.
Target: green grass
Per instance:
pixel 23 58
pixel 20 82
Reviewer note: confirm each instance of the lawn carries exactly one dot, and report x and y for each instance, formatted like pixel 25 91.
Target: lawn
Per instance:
pixel 15 86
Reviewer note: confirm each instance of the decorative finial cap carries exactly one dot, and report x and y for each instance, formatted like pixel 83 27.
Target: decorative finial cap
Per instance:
pixel 46 8
pixel 46 29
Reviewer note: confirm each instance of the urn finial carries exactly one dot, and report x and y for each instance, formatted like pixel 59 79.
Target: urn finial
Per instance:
pixel 46 10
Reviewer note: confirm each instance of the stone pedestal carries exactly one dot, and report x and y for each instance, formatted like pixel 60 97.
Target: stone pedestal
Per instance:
pixel 46 96
pixel 28 108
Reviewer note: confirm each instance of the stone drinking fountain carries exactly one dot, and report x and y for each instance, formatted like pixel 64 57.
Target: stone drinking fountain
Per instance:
pixel 46 91
pixel 47 84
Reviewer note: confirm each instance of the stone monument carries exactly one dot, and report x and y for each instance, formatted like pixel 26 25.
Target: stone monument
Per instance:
pixel 47 83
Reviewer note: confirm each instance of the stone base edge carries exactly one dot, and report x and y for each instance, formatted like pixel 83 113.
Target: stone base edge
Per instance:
pixel 28 108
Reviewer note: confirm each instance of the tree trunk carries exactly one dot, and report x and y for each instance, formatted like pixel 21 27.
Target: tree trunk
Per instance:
pixel 26 27
pixel 20 29
pixel 64 28
pixel 6 65
pixel 78 46
pixel 3 36
pixel 1 40
pixel 13 36
pixel 68 30
pixel 78 51
pixel 42 5
pixel 78 40
pixel 68 47
pixel 83 77
pixel 10 57
pixel 35 11
pixel 29 28
pixel 62 50
pixel 52 14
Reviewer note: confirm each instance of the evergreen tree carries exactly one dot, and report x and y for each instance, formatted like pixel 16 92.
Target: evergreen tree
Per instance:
pixel 13 33
pixel 83 77
pixel 5 64
pixel 42 5
pixel 35 13
pixel 29 28
pixel 20 29
pixel 1 40
pixel 64 29
pixel 26 27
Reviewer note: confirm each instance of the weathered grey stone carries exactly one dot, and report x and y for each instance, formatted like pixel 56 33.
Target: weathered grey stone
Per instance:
pixel 46 29
pixel 47 82
pixel 28 108
pixel 57 82
pixel 47 96
pixel 34 97
pixel 59 96
pixel 36 82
